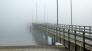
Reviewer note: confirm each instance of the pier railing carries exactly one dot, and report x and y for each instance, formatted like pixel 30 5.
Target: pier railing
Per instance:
pixel 68 34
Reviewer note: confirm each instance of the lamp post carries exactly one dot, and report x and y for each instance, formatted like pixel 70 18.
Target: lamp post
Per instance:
pixel 57 12
pixel 36 11
pixel 71 10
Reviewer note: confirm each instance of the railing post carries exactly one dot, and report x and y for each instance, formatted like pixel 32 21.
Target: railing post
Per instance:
pixel 84 39
pixel 56 33
pixel 69 38
pixel 60 34
pixel 64 36
pixel 75 39
pixel 54 38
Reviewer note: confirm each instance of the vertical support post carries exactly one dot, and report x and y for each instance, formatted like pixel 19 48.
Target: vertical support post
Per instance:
pixel 57 22
pixel 47 32
pixel 56 33
pixel 53 41
pixel 69 38
pixel 54 38
pixel 57 12
pixel 71 10
pixel 75 38
pixel 64 36
pixel 84 39
pixel 36 10
pixel 60 34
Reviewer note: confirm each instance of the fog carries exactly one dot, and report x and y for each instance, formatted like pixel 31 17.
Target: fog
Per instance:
pixel 18 15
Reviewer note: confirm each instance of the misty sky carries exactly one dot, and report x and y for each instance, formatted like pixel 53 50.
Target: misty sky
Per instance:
pixel 17 15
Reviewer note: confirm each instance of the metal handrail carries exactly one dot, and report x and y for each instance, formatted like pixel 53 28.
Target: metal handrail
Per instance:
pixel 75 30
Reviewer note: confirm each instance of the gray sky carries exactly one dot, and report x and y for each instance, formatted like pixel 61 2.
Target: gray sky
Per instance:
pixel 17 15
